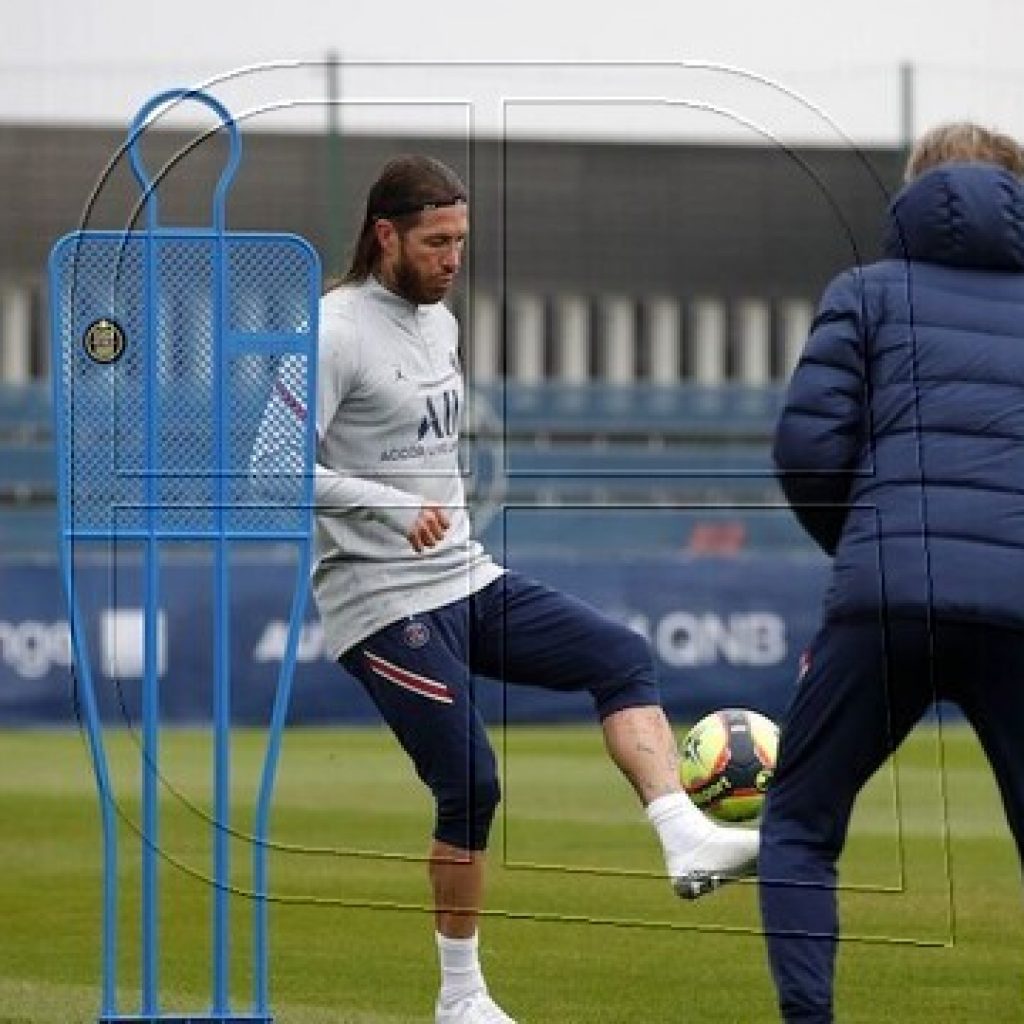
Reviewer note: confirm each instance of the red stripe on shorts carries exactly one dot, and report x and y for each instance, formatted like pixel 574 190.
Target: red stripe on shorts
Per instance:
pixel 412 681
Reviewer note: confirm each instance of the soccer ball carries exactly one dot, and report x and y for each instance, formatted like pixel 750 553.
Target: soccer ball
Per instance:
pixel 727 763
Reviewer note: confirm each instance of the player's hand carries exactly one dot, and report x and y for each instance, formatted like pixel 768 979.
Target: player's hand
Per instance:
pixel 430 527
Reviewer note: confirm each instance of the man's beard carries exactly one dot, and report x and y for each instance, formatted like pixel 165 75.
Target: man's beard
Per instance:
pixel 411 285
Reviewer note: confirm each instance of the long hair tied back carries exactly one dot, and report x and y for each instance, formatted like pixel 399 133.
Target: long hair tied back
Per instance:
pixel 406 185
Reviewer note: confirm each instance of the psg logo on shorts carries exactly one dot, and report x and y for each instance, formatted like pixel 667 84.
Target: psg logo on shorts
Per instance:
pixel 415 634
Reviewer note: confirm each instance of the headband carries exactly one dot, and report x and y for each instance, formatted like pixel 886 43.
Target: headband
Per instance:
pixel 405 209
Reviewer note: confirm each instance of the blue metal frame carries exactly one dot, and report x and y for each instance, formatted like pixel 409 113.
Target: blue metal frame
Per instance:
pixel 227 344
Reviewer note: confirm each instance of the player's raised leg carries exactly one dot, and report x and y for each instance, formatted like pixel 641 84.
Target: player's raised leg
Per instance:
pixel 699 855
pixel 538 636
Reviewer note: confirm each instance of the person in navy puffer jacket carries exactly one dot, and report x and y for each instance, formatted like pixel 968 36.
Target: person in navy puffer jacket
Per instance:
pixel 900 449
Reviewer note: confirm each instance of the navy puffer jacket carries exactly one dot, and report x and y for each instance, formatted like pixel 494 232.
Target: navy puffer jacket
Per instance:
pixel 901 444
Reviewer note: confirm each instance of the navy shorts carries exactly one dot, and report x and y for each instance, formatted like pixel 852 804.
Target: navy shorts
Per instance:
pixel 420 673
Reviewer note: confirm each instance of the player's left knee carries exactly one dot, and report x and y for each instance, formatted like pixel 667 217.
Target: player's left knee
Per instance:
pixel 632 679
pixel 465 813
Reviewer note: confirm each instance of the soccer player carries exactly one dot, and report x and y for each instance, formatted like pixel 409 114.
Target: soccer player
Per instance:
pixel 414 608
pixel 901 450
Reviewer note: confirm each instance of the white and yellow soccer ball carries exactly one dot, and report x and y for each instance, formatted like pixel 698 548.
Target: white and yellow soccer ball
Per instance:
pixel 728 759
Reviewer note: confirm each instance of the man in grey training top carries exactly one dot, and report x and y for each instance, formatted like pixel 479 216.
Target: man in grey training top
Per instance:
pixel 413 607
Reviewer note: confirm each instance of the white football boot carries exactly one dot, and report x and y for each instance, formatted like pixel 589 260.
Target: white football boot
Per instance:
pixel 723 855
pixel 478 1008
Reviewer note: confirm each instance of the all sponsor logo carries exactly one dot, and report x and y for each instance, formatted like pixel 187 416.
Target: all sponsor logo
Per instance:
pixel 437 433
pixel 441 418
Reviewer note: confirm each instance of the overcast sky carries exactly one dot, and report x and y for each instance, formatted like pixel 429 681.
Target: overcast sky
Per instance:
pixel 837 63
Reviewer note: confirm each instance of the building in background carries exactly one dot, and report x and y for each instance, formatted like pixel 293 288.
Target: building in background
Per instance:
pixel 609 262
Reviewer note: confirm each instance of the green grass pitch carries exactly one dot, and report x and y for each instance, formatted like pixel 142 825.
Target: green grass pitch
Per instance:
pixel 582 928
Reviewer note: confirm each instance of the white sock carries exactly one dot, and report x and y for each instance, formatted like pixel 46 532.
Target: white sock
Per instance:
pixel 460 967
pixel 679 823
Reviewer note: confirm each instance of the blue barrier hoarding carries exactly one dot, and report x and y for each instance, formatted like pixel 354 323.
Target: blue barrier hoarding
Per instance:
pixel 725 631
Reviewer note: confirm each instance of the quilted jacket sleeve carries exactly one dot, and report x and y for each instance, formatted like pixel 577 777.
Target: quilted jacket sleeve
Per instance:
pixel 821 428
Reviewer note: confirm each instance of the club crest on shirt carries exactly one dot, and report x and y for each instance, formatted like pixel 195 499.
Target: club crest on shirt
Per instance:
pixel 415 634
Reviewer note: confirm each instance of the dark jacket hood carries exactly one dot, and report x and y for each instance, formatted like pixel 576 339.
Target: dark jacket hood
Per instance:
pixel 960 215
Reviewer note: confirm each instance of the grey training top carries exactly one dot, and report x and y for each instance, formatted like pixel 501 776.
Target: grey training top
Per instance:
pixel 389 403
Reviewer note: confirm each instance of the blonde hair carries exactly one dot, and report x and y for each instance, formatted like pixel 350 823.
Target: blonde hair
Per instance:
pixel 963 141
